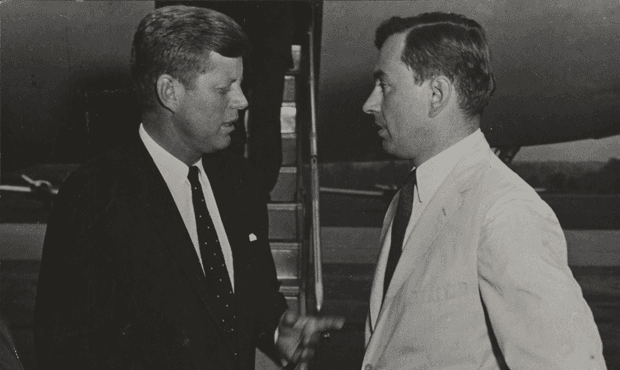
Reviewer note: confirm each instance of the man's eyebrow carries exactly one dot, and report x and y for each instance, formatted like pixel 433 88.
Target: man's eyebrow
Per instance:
pixel 230 81
pixel 379 75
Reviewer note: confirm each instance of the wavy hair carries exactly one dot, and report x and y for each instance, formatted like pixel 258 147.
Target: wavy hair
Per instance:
pixel 446 44
pixel 177 40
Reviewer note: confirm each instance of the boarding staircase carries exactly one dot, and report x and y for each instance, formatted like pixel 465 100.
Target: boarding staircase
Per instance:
pixel 287 207
pixel 293 211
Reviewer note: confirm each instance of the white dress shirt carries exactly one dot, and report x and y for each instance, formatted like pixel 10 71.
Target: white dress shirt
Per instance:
pixel 175 173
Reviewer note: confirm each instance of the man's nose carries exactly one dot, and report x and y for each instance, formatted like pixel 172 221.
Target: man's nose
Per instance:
pixel 372 103
pixel 239 101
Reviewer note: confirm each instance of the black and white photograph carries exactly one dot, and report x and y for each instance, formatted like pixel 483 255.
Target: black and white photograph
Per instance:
pixel 310 185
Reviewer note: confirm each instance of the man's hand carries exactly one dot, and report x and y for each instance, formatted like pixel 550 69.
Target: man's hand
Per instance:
pixel 298 335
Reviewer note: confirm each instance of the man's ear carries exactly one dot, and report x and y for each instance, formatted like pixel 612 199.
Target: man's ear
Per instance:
pixel 170 92
pixel 441 93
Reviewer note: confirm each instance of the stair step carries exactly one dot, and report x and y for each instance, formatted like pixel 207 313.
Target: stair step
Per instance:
pixel 283 220
pixel 289 149
pixel 285 256
pixel 291 293
pixel 288 114
pixel 296 54
pixel 286 187
pixel 290 90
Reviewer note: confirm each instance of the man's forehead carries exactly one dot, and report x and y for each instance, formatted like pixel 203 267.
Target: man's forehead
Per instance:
pixel 389 56
pixel 218 58
pixel 392 47
pixel 217 63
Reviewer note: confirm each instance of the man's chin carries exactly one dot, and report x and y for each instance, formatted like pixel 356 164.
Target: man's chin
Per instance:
pixel 224 142
pixel 391 149
pixel 388 147
pixel 217 145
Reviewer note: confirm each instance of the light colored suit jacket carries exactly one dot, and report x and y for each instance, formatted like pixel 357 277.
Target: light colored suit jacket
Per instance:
pixel 486 259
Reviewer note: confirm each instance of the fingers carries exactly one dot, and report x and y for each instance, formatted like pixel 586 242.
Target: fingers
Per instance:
pixel 291 319
pixel 307 354
pixel 329 323
pixel 303 354
pixel 316 326
pixel 299 334
pixel 288 318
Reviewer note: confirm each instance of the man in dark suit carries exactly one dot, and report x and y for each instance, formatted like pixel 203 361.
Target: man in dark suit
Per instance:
pixel 156 254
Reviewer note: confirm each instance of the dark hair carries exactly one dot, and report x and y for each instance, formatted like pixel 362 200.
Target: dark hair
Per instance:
pixel 450 45
pixel 176 40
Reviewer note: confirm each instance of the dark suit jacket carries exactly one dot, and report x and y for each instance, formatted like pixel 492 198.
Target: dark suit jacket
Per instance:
pixel 120 285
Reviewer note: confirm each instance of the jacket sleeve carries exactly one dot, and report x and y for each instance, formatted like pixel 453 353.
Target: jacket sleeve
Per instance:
pixel 536 308
pixel 77 279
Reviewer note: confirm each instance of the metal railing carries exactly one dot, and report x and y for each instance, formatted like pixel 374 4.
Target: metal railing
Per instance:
pixel 40 187
pixel 314 172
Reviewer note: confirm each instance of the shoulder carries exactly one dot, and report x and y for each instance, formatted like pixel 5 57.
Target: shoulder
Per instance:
pixel 501 189
pixel 93 177
pixel 517 196
pixel 516 221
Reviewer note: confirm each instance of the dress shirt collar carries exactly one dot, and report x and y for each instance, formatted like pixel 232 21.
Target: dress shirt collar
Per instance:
pixel 173 170
pixel 433 172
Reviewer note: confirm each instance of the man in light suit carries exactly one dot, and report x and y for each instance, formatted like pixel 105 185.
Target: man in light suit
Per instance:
pixel 156 254
pixel 473 268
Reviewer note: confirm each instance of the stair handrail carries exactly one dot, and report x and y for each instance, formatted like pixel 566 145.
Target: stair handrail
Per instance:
pixel 314 172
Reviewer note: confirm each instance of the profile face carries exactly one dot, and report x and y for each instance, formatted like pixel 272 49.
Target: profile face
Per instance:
pixel 400 106
pixel 206 114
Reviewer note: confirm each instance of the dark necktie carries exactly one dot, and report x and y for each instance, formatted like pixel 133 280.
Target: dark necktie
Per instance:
pixel 399 226
pixel 212 258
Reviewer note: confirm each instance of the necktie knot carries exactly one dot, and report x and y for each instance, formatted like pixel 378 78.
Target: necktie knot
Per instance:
pixel 192 175
pixel 411 180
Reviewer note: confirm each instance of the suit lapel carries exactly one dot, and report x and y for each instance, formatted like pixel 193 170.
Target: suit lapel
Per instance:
pixel 439 210
pixel 377 285
pixel 446 201
pixel 225 188
pixel 417 242
pixel 155 197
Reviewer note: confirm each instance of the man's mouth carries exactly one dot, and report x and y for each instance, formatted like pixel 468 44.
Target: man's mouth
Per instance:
pixel 382 130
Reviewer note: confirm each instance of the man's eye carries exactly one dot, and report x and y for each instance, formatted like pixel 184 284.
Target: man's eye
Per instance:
pixel 224 90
